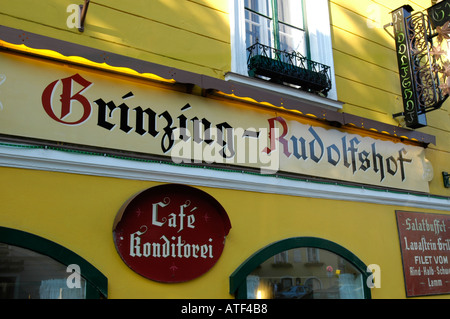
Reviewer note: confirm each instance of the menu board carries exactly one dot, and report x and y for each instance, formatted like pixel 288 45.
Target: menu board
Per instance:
pixel 425 246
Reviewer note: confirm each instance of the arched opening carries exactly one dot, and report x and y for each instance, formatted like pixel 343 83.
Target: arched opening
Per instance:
pixel 301 268
pixel 36 268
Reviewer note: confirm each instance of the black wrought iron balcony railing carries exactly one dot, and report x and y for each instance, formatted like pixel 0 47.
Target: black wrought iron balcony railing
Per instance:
pixel 288 67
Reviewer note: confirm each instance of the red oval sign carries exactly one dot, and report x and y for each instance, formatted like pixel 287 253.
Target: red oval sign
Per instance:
pixel 171 233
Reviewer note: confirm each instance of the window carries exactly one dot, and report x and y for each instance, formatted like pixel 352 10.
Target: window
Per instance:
pixel 292 25
pixel 313 255
pixel 334 278
pixel 32 267
pixel 25 274
pixel 317 269
pixel 276 23
pixel 281 258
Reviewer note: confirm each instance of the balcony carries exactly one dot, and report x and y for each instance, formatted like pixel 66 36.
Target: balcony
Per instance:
pixel 288 68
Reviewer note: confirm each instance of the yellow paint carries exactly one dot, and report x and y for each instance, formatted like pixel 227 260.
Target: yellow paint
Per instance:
pixel 50 54
pixel 367 73
pixel 78 211
pixel 183 34
pixel 245 99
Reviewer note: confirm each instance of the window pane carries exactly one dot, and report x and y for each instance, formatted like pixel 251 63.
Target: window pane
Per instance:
pixel 306 273
pixel 291 12
pixel 292 39
pixel 257 29
pixel 25 274
pixel 260 6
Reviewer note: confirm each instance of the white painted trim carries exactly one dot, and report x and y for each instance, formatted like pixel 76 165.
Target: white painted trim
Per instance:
pixel 237 37
pixel 76 163
pixel 301 96
pixel 319 33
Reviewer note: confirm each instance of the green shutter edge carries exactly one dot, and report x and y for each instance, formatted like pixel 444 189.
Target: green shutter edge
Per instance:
pixel 238 277
pixel 96 282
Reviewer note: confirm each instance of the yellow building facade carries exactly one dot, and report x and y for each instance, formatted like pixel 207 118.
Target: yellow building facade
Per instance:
pixel 327 194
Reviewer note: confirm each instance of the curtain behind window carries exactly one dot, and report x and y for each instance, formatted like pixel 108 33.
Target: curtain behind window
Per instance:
pixel 57 289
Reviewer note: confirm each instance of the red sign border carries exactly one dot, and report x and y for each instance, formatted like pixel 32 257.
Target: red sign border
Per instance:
pixel 220 210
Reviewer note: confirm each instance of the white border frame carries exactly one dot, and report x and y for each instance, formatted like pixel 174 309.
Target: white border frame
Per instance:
pixel 104 166
pixel 319 33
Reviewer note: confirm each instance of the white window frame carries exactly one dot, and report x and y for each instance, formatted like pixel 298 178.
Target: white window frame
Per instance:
pixel 313 255
pixel 320 46
pixel 281 258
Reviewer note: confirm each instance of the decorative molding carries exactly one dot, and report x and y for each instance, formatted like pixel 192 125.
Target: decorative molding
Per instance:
pixel 300 96
pixel 77 163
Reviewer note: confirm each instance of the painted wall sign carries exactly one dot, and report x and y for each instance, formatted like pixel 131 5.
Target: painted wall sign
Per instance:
pixel 171 233
pixel 425 246
pixel 83 106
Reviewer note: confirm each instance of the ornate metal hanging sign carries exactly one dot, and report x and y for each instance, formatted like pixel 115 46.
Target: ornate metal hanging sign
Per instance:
pixel 407 81
pixel 423 74
pixel 439 13
pixel 171 233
